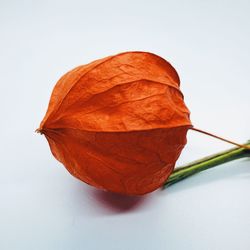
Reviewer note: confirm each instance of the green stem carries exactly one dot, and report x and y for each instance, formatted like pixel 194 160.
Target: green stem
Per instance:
pixel 192 168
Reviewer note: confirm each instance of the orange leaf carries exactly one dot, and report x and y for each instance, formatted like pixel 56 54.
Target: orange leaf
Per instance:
pixel 118 123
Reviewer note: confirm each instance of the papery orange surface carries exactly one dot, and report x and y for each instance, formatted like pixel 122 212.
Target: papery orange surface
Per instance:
pixel 118 123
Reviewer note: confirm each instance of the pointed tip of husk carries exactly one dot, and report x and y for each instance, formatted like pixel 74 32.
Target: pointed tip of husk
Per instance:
pixel 39 131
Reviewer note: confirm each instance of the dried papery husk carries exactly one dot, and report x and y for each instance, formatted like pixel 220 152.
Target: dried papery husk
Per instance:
pixel 118 123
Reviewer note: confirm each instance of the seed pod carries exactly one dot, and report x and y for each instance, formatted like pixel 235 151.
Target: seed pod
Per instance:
pixel 118 123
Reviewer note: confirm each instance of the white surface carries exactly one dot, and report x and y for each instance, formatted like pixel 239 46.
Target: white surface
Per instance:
pixel 42 206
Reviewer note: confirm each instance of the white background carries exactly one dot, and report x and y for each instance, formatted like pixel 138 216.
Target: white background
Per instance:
pixel 42 206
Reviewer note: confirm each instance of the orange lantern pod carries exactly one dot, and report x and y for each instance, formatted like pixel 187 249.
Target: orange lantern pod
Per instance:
pixel 118 123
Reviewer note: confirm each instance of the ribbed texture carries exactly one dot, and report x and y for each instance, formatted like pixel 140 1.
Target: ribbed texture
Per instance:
pixel 118 123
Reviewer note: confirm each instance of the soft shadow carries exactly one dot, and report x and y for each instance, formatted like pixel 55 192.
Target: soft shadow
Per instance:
pixel 117 203
pixel 236 169
pixel 95 202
